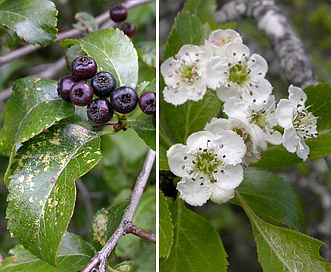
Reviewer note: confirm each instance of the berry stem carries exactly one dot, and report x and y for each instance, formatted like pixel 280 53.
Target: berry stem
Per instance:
pixel 29 48
pixel 102 256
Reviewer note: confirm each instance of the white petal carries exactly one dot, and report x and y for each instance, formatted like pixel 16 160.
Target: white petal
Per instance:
pixel 175 96
pixel 274 138
pixel 229 176
pixel 193 192
pixel 297 97
pixel 200 139
pixel 236 108
pixel 284 113
pixel 180 163
pixel 220 195
pixel 302 150
pixel 258 65
pixel 224 92
pixel 290 139
pixel 217 125
pixel 215 70
pixel 232 148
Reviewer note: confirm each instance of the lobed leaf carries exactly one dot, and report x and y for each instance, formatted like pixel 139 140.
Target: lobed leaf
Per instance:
pixel 166 227
pixel 33 20
pixel 74 254
pixel 42 190
pixel 281 249
pixel 271 198
pixel 197 245
pixel 33 107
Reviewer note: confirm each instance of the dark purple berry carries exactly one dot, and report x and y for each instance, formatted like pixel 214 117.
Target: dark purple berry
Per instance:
pixel 124 99
pixel 81 94
pixel 118 13
pixel 99 111
pixel 147 102
pixel 64 86
pixel 128 28
pixel 103 84
pixel 83 68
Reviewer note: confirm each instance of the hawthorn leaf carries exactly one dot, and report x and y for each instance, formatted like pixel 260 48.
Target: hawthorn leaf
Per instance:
pixel 166 231
pixel 197 245
pixel 272 198
pixel 281 249
pixel 33 106
pixel 34 20
pixel 73 255
pixel 204 9
pixel 113 52
pixel 42 190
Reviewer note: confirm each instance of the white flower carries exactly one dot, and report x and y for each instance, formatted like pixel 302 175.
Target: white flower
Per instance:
pixel 252 136
pixel 183 74
pixel 239 75
pixel 299 124
pixel 208 165
pixel 260 115
pixel 220 39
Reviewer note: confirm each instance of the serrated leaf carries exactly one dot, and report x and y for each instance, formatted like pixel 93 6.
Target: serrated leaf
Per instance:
pixel 204 9
pixel 33 20
pixel 42 190
pixel 114 52
pixel 319 97
pixel 188 29
pixel 74 254
pixel 271 198
pixel 165 227
pixel 33 107
pixel 281 249
pixel 197 245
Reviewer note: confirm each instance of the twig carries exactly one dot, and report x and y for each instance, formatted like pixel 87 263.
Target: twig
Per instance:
pixel 131 228
pixel 27 49
pixel 102 256
pixel 273 22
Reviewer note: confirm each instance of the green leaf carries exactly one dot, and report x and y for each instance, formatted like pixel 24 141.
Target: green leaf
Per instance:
pixel 113 52
pixel 281 249
pixel 197 245
pixel 105 222
pixel 204 9
pixel 319 97
pixel 271 198
pixel 141 122
pixel 33 20
pixel 42 190
pixel 85 22
pixel 188 29
pixel 147 52
pixel 33 107
pixel 74 254
pixel 165 227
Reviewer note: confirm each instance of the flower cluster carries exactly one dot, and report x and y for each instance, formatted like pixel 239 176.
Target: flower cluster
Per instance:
pixel 211 163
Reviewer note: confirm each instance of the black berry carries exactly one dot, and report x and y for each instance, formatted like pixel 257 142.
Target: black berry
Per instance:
pixel 83 68
pixel 64 86
pixel 124 99
pixel 103 84
pixel 147 102
pixel 128 28
pixel 99 111
pixel 118 13
pixel 81 94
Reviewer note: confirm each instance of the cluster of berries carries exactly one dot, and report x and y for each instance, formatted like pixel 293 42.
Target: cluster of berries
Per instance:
pixel 77 90
pixel 119 14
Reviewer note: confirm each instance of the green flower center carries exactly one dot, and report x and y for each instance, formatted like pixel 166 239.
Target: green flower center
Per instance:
pixel 206 162
pixel 259 118
pixel 189 73
pixel 239 73
pixel 303 124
